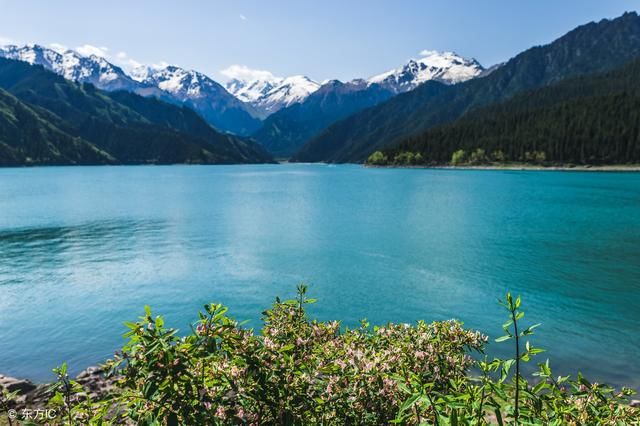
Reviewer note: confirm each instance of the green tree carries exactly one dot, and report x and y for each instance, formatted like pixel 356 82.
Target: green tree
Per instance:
pixel 498 156
pixel 478 156
pixel 378 158
pixel 458 157
pixel 404 159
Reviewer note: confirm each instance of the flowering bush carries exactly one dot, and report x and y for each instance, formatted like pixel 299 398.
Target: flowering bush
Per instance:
pixel 299 371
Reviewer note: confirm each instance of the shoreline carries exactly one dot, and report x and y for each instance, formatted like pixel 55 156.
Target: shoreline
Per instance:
pixel 36 395
pixel 521 167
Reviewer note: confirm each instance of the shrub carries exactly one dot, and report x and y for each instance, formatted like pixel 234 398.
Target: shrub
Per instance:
pixel 378 158
pixel 458 157
pixel 538 157
pixel 299 371
pixel 407 158
pixel 498 156
pixel 478 157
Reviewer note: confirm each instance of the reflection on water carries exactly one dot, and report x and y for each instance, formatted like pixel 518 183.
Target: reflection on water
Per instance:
pixel 84 249
pixel 88 244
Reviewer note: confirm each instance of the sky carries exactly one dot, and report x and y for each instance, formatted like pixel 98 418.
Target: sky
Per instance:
pixel 325 39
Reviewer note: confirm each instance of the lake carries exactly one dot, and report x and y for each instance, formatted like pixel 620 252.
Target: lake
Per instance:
pixel 83 249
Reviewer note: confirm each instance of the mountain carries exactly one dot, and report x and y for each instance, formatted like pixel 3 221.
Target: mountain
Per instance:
pixel 269 95
pixel 172 84
pixel 590 48
pixel 28 136
pixel 589 119
pixel 48 119
pixel 284 132
pixel 199 92
pixel 73 66
pixel 445 67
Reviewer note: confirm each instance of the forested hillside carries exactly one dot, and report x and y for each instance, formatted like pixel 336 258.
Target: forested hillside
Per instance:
pixel 585 120
pixel 595 47
pixel 117 127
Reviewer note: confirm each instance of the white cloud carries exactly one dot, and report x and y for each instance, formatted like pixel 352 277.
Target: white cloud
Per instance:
pixel 123 60
pixel 88 50
pixel 60 48
pixel 243 18
pixel 6 40
pixel 427 52
pixel 244 73
pixel 160 65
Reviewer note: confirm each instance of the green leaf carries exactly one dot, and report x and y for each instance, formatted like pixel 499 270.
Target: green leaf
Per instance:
pixel 410 402
pixel 502 339
pixel 131 325
pixel 506 367
pixel 529 330
pixel 287 348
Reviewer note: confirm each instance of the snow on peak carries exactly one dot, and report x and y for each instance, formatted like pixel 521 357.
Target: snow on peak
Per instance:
pixel 445 67
pixel 292 90
pixel 259 91
pixel 253 90
pixel 268 93
pixel 71 65
pixel 181 83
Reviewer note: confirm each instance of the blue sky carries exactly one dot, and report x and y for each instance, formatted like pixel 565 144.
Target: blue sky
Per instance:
pixel 322 39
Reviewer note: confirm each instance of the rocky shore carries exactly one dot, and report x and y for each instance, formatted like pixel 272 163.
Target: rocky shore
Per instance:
pixel 33 396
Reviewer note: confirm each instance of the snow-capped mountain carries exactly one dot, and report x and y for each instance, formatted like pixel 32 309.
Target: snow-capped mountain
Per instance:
pixel 268 95
pixel 73 66
pixel 182 84
pixel 445 67
pixel 201 93
pixel 253 90
pixel 172 84
pixel 239 107
pixel 286 131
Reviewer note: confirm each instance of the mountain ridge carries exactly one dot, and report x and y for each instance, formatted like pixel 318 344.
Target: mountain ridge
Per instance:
pixel 589 119
pixel 199 92
pixel 202 94
pixel 120 126
pixel 592 47
pixel 284 132
pixel 269 95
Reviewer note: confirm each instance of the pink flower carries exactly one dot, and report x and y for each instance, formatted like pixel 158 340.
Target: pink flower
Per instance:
pixel 220 413
pixel 240 413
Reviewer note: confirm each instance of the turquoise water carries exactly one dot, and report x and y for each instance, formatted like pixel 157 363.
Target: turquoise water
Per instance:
pixel 83 249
